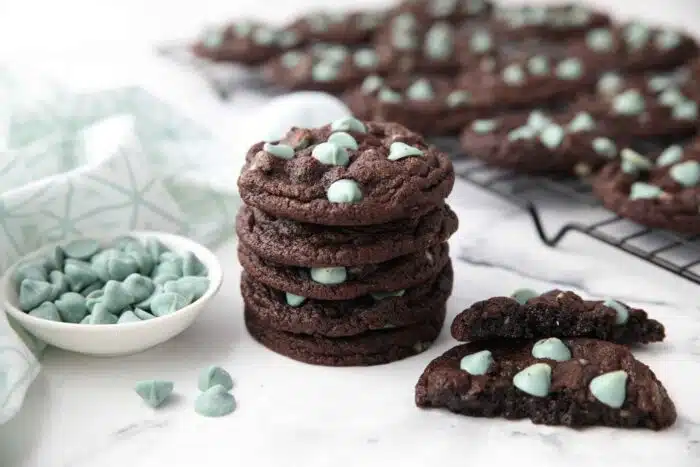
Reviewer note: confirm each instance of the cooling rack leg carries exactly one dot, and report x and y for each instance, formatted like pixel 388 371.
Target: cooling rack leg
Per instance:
pixel 546 239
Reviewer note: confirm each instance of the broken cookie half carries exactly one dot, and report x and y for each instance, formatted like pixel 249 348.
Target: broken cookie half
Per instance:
pixel 575 382
pixel 527 315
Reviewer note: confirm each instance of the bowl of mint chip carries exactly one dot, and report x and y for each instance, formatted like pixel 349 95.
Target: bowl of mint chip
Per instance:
pixel 112 295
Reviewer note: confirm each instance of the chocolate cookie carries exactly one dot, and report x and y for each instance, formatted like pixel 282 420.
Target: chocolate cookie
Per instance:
pixel 671 87
pixel 290 313
pixel 574 382
pixel 548 22
pixel 635 46
pixel 613 83
pixel 338 27
pixel 438 105
pixel 245 41
pixel 661 191
pixel 445 10
pixel 637 113
pixel 300 244
pixel 370 348
pixel 530 80
pixel 346 283
pixel 555 314
pixel 347 173
pixel 407 44
pixel 321 67
pixel 426 104
pixel 543 143
pixel 521 32
pixel 533 78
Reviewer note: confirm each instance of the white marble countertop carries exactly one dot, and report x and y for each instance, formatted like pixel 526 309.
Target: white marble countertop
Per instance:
pixel 82 411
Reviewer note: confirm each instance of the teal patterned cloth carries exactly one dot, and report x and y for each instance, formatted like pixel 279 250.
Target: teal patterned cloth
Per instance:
pixel 114 160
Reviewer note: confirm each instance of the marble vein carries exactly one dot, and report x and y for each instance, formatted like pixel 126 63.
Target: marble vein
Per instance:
pixel 114 442
pixel 579 285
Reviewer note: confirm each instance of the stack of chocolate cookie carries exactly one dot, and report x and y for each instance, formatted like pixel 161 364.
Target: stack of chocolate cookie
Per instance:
pixel 553 358
pixel 343 243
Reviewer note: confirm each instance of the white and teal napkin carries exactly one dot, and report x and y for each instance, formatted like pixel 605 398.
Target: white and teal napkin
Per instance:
pixel 103 161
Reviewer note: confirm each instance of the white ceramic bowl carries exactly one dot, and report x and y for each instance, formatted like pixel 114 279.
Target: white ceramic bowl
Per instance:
pixel 116 339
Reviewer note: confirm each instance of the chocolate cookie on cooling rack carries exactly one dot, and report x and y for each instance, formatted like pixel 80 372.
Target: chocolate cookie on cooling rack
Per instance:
pixel 245 41
pixel 539 142
pixel 661 191
pixel 321 66
pixel 428 104
pixel 337 27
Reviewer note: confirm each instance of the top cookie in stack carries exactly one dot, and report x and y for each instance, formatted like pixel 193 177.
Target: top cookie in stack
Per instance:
pixel 342 240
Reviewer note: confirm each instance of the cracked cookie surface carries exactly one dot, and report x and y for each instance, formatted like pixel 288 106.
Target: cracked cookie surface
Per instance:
pixel 376 188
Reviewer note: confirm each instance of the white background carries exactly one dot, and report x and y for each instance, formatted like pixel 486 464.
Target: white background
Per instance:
pixel 108 26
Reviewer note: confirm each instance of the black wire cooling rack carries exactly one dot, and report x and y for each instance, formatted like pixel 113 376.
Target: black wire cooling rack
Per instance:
pixel 676 253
